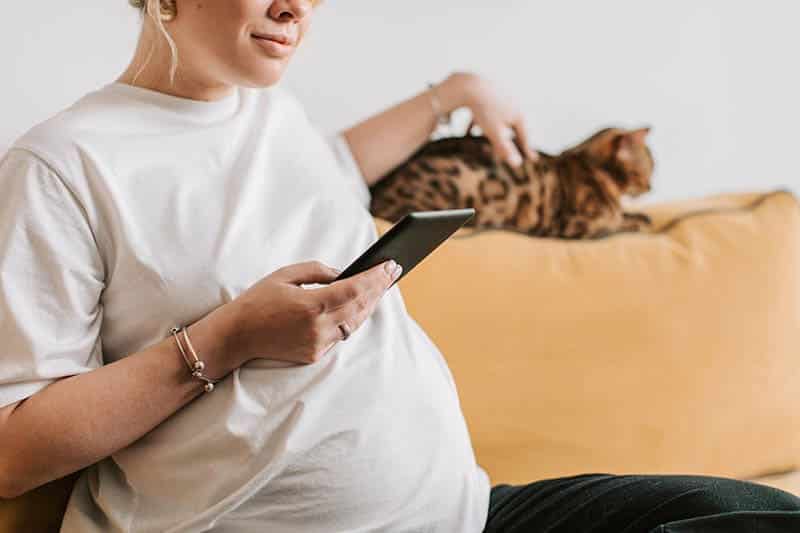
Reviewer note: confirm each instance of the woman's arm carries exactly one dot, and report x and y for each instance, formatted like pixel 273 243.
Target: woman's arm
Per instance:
pixel 386 140
pixel 79 420
pixel 383 141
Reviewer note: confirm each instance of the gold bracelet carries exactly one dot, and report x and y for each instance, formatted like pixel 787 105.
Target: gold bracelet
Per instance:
pixel 196 367
pixel 442 119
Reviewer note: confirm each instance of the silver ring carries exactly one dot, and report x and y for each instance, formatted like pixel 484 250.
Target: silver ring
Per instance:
pixel 345 329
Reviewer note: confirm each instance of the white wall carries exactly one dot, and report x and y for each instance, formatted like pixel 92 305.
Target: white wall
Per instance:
pixel 717 80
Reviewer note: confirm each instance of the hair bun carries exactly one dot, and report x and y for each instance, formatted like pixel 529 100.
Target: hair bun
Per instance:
pixel 167 8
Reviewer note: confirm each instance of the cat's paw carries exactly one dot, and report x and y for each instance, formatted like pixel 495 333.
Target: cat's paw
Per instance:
pixel 641 218
pixel 636 222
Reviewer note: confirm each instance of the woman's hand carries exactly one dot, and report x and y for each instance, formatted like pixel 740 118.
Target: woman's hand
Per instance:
pixel 498 118
pixel 278 319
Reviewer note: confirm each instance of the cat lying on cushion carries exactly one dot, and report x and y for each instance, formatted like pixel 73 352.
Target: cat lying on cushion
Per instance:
pixel 574 195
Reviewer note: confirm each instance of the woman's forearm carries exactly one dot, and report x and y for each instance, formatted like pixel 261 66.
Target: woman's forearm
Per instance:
pixel 77 421
pixel 383 141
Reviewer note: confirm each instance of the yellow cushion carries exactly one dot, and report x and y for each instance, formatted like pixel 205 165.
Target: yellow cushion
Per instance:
pixel 788 481
pixel 674 351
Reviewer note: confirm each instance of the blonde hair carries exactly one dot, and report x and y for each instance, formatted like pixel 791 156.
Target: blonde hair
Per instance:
pixel 166 10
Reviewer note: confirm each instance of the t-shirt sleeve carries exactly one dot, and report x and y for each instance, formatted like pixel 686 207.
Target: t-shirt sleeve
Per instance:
pixel 349 167
pixel 51 278
pixel 340 148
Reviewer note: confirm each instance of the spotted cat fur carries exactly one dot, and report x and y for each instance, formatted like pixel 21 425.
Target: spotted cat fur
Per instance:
pixel 573 195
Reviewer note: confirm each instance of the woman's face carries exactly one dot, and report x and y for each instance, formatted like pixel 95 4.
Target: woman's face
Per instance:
pixel 218 40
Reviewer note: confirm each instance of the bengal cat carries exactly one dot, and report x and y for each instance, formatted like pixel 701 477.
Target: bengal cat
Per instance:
pixel 574 195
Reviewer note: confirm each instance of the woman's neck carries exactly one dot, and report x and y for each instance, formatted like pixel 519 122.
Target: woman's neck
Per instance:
pixel 153 73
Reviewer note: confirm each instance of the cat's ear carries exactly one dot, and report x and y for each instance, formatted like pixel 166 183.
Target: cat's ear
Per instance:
pixel 629 140
pixel 638 136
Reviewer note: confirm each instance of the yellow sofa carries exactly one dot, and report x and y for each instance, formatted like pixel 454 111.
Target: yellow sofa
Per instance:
pixel 674 351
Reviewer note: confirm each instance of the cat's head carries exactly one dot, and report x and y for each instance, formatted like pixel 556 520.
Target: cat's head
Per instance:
pixel 623 154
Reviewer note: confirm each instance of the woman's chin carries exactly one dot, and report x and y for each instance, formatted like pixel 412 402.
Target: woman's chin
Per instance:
pixel 261 80
pixel 264 75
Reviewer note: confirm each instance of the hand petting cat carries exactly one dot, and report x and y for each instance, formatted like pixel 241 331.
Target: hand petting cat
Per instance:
pixel 498 118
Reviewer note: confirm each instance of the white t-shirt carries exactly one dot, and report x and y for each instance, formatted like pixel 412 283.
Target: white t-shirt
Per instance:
pixel 132 211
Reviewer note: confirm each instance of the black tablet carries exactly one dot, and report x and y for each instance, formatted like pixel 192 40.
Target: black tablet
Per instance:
pixel 410 240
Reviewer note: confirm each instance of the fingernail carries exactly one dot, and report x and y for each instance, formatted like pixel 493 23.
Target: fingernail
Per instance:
pixel 515 160
pixel 397 272
pixel 390 266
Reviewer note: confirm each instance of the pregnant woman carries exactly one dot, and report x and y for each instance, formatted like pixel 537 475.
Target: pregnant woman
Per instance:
pixel 170 324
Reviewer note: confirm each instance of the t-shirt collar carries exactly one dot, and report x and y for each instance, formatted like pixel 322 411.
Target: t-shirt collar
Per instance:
pixel 198 109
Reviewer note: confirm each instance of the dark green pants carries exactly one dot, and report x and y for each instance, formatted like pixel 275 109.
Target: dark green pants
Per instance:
pixel 607 503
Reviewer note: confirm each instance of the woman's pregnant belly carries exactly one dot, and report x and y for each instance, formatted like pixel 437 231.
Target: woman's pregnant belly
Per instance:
pixel 368 438
pixel 385 451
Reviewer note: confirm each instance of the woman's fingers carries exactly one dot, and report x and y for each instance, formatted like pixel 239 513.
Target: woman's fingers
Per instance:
pixel 501 122
pixel 353 314
pixel 330 345
pixel 351 300
pixel 501 139
pixel 523 140
pixel 307 272
pixel 356 290
pixel 507 142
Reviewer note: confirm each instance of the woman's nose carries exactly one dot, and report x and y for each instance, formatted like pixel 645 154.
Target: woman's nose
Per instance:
pixel 297 9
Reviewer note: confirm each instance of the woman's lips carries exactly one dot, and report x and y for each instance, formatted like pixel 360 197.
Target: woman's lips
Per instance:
pixel 281 38
pixel 272 47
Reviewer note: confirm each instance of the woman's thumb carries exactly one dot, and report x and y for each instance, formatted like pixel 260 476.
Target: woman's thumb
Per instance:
pixel 308 272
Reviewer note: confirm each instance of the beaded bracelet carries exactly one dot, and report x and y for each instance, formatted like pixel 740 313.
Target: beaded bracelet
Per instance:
pixel 197 367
